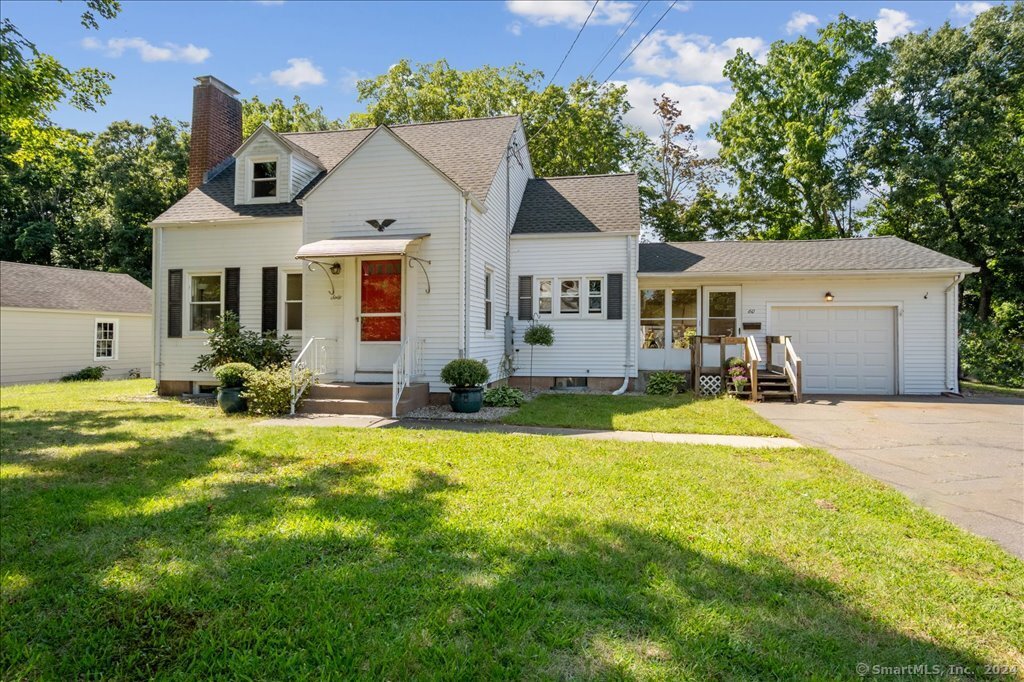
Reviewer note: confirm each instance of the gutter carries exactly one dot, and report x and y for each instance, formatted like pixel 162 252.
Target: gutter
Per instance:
pixel 805 273
pixel 628 316
pixel 953 383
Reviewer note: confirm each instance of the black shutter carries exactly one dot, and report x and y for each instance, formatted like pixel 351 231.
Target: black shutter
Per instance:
pixel 526 297
pixel 615 296
pixel 174 304
pixel 269 300
pixel 231 285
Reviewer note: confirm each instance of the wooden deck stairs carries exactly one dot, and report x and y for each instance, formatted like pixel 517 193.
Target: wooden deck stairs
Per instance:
pixel 366 399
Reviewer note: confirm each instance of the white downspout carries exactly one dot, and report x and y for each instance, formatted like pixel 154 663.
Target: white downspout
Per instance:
pixel 466 277
pixel 952 383
pixel 628 315
pixel 158 239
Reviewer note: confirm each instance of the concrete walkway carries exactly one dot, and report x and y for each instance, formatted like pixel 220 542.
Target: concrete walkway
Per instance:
pixel 490 427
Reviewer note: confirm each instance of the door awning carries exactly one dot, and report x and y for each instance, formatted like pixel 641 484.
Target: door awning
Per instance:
pixel 358 246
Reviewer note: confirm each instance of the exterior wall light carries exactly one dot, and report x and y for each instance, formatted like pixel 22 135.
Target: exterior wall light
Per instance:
pixel 828 297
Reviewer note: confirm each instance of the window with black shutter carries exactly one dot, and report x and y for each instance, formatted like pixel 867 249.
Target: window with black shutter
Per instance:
pixel 269 317
pixel 615 296
pixel 174 302
pixel 232 282
pixel 526 297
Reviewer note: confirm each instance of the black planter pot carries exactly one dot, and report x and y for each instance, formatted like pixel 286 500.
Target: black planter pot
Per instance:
pixel 466 398
pixel 231 400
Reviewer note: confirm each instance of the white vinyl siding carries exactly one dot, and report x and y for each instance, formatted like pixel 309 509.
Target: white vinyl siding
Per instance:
pixel 44 345
pixel 585 345
pixel 264 148
pixel 249 246
pixel 302 173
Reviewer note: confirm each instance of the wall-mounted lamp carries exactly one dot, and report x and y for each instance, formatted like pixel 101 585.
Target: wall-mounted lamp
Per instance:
pixel 336 269
pixel 828 296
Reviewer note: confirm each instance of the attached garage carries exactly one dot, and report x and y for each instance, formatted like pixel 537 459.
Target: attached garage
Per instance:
pixel 846 350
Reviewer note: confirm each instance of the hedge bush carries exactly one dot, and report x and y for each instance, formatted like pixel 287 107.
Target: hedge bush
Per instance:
pixel 229 342
pixel 269 391
pixel 665 383
pixel 86 374
pixel 232 375
pixel 993 351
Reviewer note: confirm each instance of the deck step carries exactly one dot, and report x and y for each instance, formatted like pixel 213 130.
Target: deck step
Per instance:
pixel 365 399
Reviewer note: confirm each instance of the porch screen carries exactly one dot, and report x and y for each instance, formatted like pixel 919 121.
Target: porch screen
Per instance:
pixel 381 300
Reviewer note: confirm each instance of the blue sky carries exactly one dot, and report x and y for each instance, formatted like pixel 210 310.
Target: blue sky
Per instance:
pixel 318 49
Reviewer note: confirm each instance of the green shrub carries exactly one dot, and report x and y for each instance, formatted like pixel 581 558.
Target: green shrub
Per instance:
pixel 269 391
pixel 503 396
pixel 539 335
pixel 665 383
pixel 733 361
pixel 232 375
pixel 465 372
pixel 230 342
pixel 86 374
pixel 993 351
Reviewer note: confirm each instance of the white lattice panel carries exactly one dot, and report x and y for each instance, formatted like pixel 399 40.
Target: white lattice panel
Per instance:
pixel 710 384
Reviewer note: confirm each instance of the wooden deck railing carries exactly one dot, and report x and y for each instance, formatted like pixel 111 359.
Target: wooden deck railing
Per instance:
pixel 792 366
pixel 751 358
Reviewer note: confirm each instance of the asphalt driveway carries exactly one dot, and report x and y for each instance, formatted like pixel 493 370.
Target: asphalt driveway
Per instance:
pixel 962 458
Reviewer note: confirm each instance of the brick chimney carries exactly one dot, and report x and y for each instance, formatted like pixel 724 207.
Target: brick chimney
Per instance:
pixel 216 127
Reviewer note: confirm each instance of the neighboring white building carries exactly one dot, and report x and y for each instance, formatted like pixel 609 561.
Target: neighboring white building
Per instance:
pixel 56 321
pixel 392 250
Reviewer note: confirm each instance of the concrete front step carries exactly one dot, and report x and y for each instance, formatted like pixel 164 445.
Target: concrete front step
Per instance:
pixel 368 399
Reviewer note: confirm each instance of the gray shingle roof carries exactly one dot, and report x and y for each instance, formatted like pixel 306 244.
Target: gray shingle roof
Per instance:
pixel 824 255
pixel 41 286
pixel 584 203
pixel 467 151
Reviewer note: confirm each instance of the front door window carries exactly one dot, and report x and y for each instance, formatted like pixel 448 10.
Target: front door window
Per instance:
pixel 380 311
pixel 722 313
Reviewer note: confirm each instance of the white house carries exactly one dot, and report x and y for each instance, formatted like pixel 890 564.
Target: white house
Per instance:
pixel 56 321
pixel 387 252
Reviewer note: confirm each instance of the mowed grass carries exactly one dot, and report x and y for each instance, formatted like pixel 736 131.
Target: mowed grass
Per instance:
pixel 667 414
pixel 154 539
pixel 975 387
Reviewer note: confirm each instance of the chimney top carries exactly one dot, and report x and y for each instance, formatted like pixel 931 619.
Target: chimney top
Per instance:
pixel 217 83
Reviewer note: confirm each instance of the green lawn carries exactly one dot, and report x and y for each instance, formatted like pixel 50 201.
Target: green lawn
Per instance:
pixel 975 387
pixel 668 414
pixel 144 538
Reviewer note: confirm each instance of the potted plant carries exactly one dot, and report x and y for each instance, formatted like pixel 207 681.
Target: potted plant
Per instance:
pixel 538 335
pixel 466 378
pixel 232 381
pixel 737 371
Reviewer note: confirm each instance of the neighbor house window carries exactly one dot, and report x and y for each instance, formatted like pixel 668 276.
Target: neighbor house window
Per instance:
pixel 205 301
pixel 544 289
pixel 264 179
pixel 106 340
pixel 595 296
pixel 652 318
pixel 487 300
pixel 293 301
pixel 570 296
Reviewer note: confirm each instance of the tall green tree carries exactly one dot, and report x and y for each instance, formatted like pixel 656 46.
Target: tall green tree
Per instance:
pixel 574 130
pixel 788 136
pixel 944 139
pixel 300 117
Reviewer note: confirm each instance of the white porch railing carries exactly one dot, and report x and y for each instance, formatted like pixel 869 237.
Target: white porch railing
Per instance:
pixel 407 367
pixel 314 358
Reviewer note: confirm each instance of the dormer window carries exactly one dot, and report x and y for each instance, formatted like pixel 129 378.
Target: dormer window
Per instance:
pixel 264 179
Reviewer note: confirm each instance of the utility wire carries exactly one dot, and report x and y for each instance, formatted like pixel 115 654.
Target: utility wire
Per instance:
pixel 636 15
pixel 569 51
pixel 639 42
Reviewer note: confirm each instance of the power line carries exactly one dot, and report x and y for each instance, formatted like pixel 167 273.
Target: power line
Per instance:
pixel 569 51
pixel 640 42
pixel 636 15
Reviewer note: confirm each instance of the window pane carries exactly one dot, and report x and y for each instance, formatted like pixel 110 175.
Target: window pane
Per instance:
pixel 381 328
pixel 682 330
pixel 653 333
pixel 204 316
pixel 264 188
pixel 293 315
pixel 293 287
pixel 487 285
pixel 382 286
pixel 595 304
pixel 264 169
pixel 723 326
pixel 570 287
pixel 594 286
pixel 570 305
pixel 722 304
pixel 652 303
pixel 545 287
pixel 570 296
pixel 544 306
pixel 206 288
pixel 487 315
pixel 684 303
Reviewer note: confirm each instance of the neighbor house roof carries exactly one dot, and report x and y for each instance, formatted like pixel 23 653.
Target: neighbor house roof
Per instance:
pixel 468 151
pixel 580 204
pixel 42 286
pixel 805 256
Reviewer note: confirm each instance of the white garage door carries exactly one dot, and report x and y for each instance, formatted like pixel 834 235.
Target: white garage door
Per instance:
pixel 844 350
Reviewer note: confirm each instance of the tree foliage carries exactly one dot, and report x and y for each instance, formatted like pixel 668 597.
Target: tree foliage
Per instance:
pixel 788 136
pixel 943 144
pixel 300 117
pixel 572 131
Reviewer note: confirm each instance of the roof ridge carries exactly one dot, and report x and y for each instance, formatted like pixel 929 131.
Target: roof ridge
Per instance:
pixel 61 267
pixel 581 177
pixel 785 241
pixel 403 125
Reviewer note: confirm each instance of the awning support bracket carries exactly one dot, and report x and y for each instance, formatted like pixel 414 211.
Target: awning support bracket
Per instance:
pixel 327 268
pixel 420 262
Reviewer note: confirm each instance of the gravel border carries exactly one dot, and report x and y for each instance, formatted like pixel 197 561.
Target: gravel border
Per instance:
pixel 443 412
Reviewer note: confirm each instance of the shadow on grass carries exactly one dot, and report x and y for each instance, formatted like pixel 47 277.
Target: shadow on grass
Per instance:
pixel 149 559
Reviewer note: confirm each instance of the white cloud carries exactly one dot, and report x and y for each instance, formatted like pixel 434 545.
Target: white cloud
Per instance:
pixel 168 52
pixel 691 58
pixel 515 28
pixel 349 79
pixel 892 23
pixel 799 22
pixel 300 72
pixel 969 10
pixel 570 12
pixel 701 104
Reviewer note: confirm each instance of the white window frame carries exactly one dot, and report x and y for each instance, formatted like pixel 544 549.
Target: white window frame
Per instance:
pixel 283 288
pixel 707 317
pixel 188 296
pixel 251 180
pixel 95 338
pixel 556 297
pixel 488 301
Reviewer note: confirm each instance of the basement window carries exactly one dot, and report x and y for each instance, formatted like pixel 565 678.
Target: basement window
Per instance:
pixel 264 179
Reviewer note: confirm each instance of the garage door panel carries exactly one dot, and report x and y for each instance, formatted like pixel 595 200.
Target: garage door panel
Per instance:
pixel 844 349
